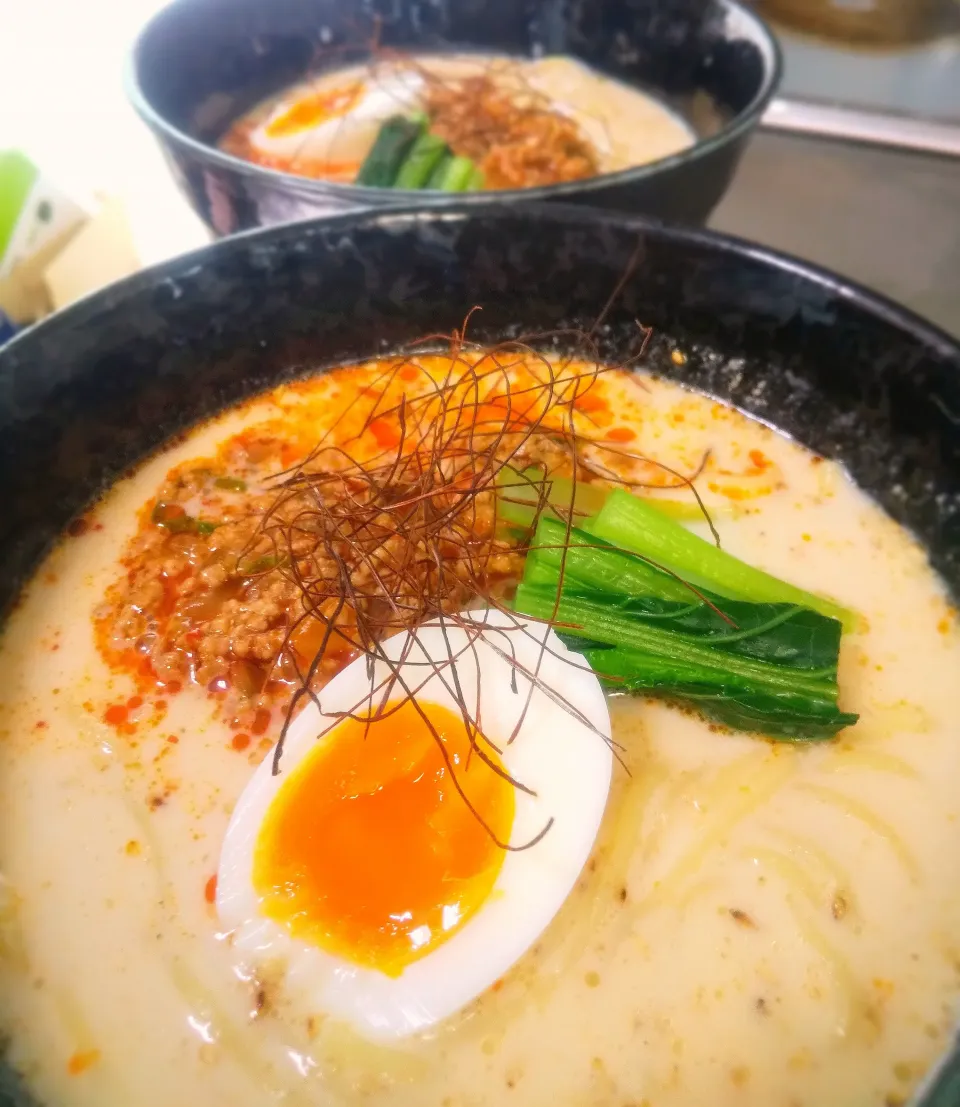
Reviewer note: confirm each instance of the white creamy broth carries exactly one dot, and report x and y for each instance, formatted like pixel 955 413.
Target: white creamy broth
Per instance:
pixel 759 924
pixel 627 126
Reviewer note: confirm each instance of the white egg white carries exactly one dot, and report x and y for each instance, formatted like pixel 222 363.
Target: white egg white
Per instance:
pixel 561 751
pixel 345 137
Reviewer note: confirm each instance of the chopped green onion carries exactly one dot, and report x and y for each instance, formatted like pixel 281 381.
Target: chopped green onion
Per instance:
pixel 231 484
pixel 262 564
pixel 175 519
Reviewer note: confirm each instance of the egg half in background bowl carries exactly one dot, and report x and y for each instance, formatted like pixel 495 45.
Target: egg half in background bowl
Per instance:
pixel 333 125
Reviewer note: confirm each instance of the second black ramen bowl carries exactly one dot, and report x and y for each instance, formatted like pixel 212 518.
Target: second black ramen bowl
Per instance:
pixel 200 64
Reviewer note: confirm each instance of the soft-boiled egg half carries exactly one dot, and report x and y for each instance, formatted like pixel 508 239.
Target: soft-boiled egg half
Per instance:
pixel 383 867
pixel 336 124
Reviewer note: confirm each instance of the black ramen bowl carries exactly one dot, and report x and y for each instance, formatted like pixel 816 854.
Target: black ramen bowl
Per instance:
pixel 88 393
pixel 200 64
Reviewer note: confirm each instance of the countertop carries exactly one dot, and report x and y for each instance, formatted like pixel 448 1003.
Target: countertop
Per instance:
pixel 886 218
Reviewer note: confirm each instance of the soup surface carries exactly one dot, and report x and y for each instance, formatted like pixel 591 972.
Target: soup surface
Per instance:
pixel 519 123
pixel 759 923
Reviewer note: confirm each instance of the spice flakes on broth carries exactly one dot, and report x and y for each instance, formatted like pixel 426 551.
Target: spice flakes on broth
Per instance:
pixel 731 938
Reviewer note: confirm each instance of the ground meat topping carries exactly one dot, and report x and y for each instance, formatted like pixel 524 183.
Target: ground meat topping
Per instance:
pixel 251 570
pixel 516 140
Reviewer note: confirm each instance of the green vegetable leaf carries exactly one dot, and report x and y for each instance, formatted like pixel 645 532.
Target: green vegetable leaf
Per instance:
pixel 628 523
pixel 767 667
pixel 657 637
pixel 175 519
pixel 808 715
pixel 391 146
pixel 424 156
pixel 453 174
pixel 231 484
pixel 262 564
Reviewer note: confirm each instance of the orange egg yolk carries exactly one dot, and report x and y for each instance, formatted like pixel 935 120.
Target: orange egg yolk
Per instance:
pixel 369 851
pixel 315 108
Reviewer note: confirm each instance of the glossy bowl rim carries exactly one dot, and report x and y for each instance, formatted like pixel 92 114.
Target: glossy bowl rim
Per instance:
pixel 112 296
pixel 359 196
